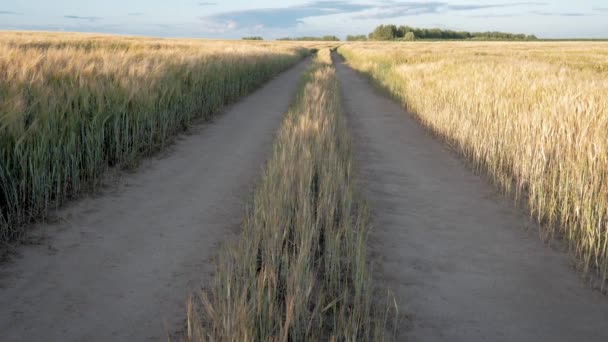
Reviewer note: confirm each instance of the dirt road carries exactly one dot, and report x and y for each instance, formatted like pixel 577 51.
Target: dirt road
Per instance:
pixel 118 266
pixel 458 256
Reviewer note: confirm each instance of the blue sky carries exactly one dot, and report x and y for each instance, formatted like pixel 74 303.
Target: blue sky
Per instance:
pixel 272 19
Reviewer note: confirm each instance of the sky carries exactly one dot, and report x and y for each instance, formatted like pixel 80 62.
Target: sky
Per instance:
pixel 274 19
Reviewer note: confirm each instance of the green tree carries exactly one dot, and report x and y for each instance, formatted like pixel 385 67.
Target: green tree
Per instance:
pixel 409 36
pixel 391 32
pixel 384 32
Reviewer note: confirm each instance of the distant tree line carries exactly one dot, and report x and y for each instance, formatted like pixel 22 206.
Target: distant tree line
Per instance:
pixel 358 37
pixel 323 38
pixel 253 38
pixel 392 32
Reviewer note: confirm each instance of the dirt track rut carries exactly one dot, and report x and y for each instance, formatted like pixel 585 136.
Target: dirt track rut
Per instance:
pixel 457 255
pixel 119 266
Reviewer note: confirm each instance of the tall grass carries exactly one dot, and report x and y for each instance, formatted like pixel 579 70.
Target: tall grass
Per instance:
pixel 299 271
pixel 72 105
pixel 534 116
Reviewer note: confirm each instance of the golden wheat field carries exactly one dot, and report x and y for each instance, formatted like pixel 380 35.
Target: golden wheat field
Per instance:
pixel 292 201
pixel 533 116
pixel 72 105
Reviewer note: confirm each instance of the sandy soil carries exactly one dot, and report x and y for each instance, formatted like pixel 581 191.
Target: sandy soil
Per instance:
pixel 119 267
pixel 465 265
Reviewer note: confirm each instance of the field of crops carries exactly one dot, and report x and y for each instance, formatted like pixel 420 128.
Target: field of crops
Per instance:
pixel 72 105
pixel 306 196
pixel 534 116
pixel 299 271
